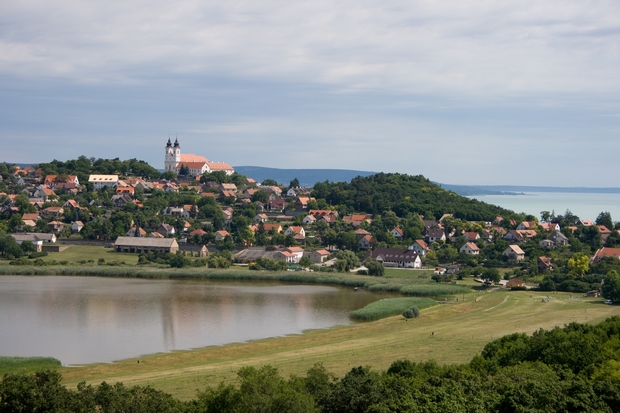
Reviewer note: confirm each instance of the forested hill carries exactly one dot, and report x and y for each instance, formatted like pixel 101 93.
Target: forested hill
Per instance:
pixel 404 194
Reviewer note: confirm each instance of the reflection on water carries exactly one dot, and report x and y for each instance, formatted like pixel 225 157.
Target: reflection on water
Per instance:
pixel 88 319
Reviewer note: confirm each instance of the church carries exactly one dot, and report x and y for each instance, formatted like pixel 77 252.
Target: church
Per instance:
pixel 197 165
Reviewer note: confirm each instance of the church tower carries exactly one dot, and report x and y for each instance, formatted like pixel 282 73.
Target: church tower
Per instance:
pixel 173 156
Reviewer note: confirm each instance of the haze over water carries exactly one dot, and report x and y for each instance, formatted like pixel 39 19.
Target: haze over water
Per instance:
pixel 89 319
pixel 584 205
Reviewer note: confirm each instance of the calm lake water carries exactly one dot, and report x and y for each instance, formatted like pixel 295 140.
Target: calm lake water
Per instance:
pixel 88 319
pixel 585 206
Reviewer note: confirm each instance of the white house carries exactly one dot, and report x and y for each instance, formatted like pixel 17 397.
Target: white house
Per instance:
pixel 397 257
pixel 470 248
pixel 420 247
pixel 103 181
pixel 295 230
pixel 514 252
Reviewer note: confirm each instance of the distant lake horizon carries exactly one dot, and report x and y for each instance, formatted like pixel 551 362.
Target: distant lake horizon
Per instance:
pixel 584 205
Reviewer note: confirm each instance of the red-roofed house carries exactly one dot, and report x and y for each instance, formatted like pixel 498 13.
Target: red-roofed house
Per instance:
pixel 605 252
pixel 221 234
pixel 317 256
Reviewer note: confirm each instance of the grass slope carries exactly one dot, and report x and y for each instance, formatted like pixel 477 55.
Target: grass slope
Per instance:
pixel 460 331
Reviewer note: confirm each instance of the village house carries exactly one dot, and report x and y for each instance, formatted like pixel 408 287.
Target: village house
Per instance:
pixel 297 252
pixel 166 230
pixel 397 233
pixel 558 238
pixel 472 236
pixel 514 253
pixel 357 219
pixel 605 252
pixel 435 234
pixel 309 220
pixel 365 242
pixel 515 282
pixel 76 226
pixel 261 218
pixel 544 264
pixel 136 232
pixel 221 235
pixel 397 257
pixel 120 200
pixel 527 225
pixel 547 243
pixel 470 248
pixel 301 203
pixel 103 181
pixel 285 256
pixel 361 233
pixel 604 231
pixel 318 256
pixel 53 212
pixel 420 247
pixel 276 205
pixel 295 230
pixel 276 228
pixel 550 226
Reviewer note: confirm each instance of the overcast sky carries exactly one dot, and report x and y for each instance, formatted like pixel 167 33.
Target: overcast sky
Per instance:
pixel 462 92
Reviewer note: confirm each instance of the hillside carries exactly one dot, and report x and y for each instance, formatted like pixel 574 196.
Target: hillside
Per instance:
pixel 404 194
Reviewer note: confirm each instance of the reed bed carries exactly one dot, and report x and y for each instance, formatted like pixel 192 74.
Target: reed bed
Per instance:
pixel 389 307
pixel 405 286
pixel 27 364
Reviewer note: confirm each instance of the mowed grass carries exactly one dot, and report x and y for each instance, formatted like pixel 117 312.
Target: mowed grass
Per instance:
pixel 390 306
pixel 27 364
pixel 448 333
pixel 77 253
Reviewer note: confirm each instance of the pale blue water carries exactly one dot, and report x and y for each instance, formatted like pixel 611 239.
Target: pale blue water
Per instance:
pixel 585 206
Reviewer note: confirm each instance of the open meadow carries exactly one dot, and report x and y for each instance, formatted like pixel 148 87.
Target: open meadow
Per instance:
pixel 448 333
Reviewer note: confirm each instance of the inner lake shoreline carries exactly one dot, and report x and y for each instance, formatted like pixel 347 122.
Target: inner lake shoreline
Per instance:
pixel 406 284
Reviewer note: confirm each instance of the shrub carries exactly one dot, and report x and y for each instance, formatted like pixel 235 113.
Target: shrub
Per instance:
pixel 412 312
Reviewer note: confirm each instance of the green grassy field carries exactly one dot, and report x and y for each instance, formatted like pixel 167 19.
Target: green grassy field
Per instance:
pixel 76 253
pixel 448 333
pixel 388 307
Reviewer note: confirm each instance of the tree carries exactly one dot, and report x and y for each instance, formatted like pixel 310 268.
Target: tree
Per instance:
pixel 261 196
pixel 294 183
pixel 604 218
pixel 347 260
pixel 168 175
pixel 269 182
pixel 545 216
pixel 491 274
pixel 578 264
pixel 375 268
pixel 611 286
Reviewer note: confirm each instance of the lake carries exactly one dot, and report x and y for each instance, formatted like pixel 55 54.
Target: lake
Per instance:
pixel 82 320
pixel 585 206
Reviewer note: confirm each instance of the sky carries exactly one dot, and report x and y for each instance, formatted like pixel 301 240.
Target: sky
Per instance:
pixel 462 92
